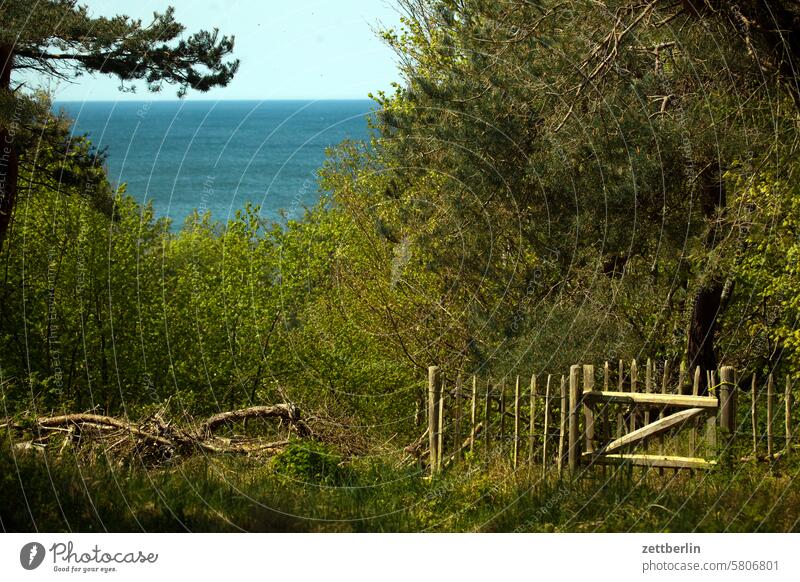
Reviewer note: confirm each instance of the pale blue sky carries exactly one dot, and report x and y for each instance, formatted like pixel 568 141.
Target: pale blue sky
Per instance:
pixel 289 49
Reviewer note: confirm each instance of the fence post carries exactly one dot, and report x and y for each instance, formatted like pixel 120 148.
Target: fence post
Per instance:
pixel 474 411
pixel 620 388
pixel 457 420
pixel 516 423
pixel 695 423
pixel 434 391
pixel 574 404
pixel 546 425
pixel 441 423
pixel 562 433
pixel 682 378
pixel 753 415
pixel 727 404
pixel 770 414
pixel 532 427
pixel 503 417
pixel 664 385
pixel 606 432
pixel 788 403
pixel 648 388
pixel 486 417
pixel 588 408
pixel 711 423
pixel 634 380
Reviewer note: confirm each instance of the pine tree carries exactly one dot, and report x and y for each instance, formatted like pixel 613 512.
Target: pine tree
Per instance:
pixel 60 39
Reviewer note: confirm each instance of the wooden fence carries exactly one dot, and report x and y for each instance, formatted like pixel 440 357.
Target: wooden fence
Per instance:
pixel 609 416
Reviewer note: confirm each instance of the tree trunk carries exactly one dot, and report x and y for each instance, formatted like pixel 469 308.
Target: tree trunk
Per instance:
pixel 708 302
pixel 706 308
pixel 8 154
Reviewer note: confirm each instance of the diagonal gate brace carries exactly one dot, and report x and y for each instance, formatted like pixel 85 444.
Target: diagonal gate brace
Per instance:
pixel 652 429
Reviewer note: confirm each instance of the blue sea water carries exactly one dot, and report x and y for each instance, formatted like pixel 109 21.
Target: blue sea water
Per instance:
pixel 219 155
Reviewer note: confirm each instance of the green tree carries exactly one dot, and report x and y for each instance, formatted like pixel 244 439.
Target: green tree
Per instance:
pixel 557 158
pixel 60 39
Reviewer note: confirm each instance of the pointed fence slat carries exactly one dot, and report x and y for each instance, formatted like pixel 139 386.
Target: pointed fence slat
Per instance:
pixel 473 413
pixel 606 430
pixel 434 392
pixel 789 403
pixel 753 415
pixel 441 428
pixel 589 408
pixel 532 427
pixel 546 425
pixel 727 403
pixel 574 402
pixel 648 386
pixel 711 423
pixel 664 387
pixel 562 432
pixel 503 416
pixel 457 421
pixel 516 423
pixel 621 388
pixel 634 379
pixel 682 378
pixel 487 413
pixel 770 414
pixel 695 392
pixel 665 380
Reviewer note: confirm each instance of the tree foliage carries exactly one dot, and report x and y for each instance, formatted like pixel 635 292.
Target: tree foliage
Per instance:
pixel 567 164
pixel 61 38
pixel 552 183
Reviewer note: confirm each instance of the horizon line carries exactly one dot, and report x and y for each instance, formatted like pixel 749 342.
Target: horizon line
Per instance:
pixel 177 100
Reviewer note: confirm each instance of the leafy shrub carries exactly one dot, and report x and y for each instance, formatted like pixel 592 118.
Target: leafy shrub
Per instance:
pixel 310 462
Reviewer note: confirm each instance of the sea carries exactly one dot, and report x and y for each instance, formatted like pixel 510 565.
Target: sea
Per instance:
pixel 219 155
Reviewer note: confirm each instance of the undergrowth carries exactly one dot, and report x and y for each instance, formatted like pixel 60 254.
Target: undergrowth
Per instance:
pixel 309 487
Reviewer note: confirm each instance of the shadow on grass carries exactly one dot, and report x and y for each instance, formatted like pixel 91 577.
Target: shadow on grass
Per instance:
pixel 310 488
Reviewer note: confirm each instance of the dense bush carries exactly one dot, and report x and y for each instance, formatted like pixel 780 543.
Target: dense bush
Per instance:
pixel 123 313
pixel 310 462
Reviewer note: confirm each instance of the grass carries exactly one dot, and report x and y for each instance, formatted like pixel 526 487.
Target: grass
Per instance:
pixel 310 488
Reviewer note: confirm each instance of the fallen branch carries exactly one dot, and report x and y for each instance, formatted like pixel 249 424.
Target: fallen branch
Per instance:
pixel 241 448
pixel 79 419
pixel 156 439
pixel 287 412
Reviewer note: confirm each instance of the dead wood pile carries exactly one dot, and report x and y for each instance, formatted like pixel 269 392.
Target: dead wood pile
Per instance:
pixel 154 439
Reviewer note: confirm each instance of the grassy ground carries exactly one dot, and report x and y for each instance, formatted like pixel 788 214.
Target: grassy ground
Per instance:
pixel 308 488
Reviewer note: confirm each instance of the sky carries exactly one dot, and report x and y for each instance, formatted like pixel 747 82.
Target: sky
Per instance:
pixel 289 49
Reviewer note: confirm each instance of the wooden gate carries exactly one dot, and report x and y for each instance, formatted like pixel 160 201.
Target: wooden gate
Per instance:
pixel 566 420
pixel 684 411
